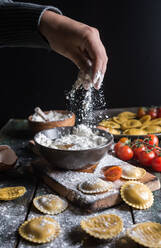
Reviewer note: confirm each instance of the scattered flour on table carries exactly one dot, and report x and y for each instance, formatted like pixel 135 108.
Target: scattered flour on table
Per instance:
pixel 71 179
pixel 51 116
pixel 82 138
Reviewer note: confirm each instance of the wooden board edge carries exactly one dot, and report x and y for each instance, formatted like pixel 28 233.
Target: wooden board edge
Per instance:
pixel 154 184
pixel 69 194
pixel 74 198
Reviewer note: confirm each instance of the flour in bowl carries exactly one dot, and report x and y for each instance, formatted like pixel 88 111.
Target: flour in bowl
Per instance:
pixel 51 116
pixel 82 138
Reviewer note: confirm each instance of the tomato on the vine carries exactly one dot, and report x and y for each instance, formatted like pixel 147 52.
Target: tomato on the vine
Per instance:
pixel 157 150
pixel 141 112
pixel 159 112
pixel 121 142
pixel 138 150
pixel 156 164
pixel 117 145
pixel 153 139
pixel 152 112
pixel 146 157
pixel 136 143
pixel 125 152
pixel 124 140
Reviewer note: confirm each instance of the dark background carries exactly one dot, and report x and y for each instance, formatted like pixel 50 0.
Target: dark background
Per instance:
pixel 131 33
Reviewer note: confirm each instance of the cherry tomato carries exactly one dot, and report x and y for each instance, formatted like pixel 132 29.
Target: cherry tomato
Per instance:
pixel 124 139
pixel 121 142
pixel 136 143
pixel 138 150
pixel 152 112
pixel 153 139
pixel 157 150
pixel 159 112
pixel 113 173
pixel 156 164
pixel 146 157
pixel 141 112
pixel 117 145
pixel 125 152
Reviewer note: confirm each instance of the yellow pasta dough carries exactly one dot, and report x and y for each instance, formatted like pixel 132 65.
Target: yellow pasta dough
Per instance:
pixel 118 119
pixel 133 173
pixel 109 124
pixel 11 193
pixel 137 195
pixel 127 115
pixel 145 124
pixel 145 118
pixel 103 226
pixel 94 186
pixel 114 131
pixel 147 234
pixel 152 129
pixel 127 123
pixel 40 229
pixel 135 131
pixel 131 124
pixel 50 204
pixel 156 121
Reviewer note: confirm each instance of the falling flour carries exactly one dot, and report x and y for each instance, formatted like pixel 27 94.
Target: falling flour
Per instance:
pixel 84 100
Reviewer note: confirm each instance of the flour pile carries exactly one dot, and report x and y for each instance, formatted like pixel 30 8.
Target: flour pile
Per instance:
pixel 82 138
pixel 51 116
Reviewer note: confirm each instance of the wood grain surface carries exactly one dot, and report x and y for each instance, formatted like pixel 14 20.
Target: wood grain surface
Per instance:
pixel 12 213
pixel 66 183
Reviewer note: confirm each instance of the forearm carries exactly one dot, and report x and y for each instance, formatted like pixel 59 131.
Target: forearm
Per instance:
pixel 19 24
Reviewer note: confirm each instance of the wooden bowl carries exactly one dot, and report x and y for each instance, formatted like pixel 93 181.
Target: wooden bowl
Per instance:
pixel 37 126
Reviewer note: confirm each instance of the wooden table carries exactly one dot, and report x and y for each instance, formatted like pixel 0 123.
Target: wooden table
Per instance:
pixel 12 213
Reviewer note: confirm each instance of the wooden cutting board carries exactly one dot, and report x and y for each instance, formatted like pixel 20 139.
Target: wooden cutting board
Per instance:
pixel 66 183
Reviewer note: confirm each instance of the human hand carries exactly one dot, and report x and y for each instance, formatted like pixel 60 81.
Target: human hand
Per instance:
pixel 78 42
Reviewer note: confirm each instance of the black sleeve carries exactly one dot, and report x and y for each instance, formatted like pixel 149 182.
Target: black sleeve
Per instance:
pixel 19 23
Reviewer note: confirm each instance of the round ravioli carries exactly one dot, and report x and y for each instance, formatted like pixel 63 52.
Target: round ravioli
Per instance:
pixel 133 173
pixel 94 186
pixel 50 204
pixel 147 234
pixel 40 229
pixel 104 226
pixel 11 193
pixel 137 195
